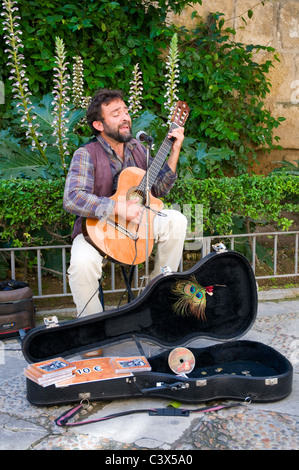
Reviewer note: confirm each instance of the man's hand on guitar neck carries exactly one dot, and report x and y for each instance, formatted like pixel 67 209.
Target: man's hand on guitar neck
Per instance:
pixel 129 210
pixel 178 135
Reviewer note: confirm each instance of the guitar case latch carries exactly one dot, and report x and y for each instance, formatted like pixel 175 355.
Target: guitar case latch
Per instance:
pixel 51 322
pixel 220 247
pixel 166 270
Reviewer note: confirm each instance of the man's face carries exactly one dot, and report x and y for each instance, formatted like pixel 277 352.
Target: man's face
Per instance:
pixel 116 121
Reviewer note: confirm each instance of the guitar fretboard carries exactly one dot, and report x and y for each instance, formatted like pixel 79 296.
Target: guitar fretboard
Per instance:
pixel 157 162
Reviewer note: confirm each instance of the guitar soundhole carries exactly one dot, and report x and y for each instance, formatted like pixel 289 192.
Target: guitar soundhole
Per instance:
pixel 135 193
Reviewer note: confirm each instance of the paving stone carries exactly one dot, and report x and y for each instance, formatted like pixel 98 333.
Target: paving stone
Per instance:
pixel 18 434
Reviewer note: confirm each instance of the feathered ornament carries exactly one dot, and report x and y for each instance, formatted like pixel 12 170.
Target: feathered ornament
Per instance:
pixel 192 298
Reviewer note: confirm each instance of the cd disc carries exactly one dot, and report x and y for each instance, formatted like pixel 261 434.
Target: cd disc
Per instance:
pixel 181 361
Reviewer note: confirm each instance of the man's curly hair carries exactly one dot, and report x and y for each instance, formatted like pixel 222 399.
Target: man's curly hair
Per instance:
pixel 94 111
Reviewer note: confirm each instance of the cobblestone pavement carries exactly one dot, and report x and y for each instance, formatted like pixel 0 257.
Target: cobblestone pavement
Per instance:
pixel 254 426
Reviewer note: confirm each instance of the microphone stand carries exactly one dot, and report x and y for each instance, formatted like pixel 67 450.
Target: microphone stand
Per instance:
pixel 147 190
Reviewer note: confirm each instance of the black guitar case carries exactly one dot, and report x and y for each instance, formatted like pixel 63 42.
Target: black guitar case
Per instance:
pixel 170 313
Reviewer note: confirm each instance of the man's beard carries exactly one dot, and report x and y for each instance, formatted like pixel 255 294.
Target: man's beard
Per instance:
pixel 115 134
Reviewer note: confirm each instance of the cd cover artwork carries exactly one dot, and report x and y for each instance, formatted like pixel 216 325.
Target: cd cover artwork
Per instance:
pixel 181 361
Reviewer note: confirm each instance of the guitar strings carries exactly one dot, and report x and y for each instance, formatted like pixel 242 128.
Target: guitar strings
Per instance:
pixel 155 166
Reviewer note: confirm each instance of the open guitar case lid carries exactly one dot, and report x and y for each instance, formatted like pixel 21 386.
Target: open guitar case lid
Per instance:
pixel 167 314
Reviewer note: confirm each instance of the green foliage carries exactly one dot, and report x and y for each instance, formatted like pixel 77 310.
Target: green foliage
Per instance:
pixel 230 203
pixel 18 160
pixel 289 168
pixel 196 161
pixel 111 37
pixel 32 214
pixel 172 76
pixel 219 78
pixel 225 87
pixel 54 162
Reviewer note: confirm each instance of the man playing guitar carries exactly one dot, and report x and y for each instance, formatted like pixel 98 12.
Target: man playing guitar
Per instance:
pixel 91 183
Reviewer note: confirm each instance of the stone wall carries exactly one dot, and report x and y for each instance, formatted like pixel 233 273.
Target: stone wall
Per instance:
pixel 275 24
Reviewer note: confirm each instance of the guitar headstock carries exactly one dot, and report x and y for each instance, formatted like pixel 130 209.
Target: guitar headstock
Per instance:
pixel 180 113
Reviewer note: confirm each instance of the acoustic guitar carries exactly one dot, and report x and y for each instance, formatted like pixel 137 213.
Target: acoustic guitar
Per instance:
pixel 122 241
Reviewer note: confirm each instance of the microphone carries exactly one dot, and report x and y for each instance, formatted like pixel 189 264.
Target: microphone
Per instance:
pixel 143 137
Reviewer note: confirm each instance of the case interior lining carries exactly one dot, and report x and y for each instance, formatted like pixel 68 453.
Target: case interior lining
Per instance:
pixel 230 312
pixel 241 358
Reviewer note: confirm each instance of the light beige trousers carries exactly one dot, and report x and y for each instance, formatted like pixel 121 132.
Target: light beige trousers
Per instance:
pixel 85 268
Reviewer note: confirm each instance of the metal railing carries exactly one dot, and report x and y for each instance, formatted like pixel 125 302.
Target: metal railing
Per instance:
pixel 207 243
pixel 202 245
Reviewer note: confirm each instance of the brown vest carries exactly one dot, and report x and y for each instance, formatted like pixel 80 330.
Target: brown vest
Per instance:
pixel 103 181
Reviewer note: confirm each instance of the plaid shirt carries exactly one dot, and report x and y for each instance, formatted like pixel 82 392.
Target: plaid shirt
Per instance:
pixel 78 194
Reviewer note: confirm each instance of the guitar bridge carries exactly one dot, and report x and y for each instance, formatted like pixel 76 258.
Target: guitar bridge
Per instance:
pixel 122 230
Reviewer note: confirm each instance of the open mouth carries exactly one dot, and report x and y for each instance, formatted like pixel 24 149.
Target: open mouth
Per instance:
pixel 124 127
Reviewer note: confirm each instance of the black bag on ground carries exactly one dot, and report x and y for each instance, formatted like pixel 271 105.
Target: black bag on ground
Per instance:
pixel 17 311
